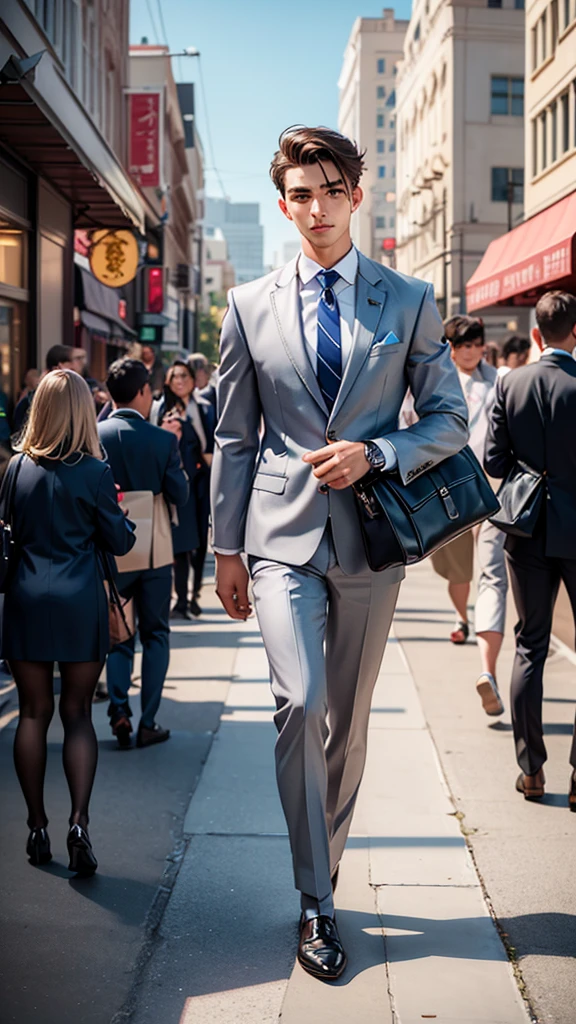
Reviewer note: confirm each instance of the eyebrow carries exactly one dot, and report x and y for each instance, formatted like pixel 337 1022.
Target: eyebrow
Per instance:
pixel 306 188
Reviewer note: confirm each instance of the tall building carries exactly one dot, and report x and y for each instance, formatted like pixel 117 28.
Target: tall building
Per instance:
pixel 460 106
pixel 367 114
pixel 240 225
pixel 540 254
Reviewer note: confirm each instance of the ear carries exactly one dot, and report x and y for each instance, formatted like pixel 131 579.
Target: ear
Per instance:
pixel 284 208
pixel 537 337
pixel 356 198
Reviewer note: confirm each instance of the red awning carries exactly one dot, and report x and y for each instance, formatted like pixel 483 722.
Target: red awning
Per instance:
pixel 536 256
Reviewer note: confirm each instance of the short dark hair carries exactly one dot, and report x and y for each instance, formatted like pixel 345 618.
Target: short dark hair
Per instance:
pixel 126 377
pixel 58 354
pixel 516 344
pixel 299 146
pixel 459 329
pixel 556 315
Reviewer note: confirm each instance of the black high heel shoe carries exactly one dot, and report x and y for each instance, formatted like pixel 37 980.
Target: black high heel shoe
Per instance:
pixel 38 847
pixel 82 859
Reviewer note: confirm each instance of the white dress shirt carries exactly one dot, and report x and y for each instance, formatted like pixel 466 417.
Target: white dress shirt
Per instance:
pixel 345 292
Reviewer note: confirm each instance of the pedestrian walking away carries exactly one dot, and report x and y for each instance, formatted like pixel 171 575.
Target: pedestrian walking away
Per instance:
pixel 455 561
pixel 532 424
pixel 64 513
pixel 143 458
pixel 314 363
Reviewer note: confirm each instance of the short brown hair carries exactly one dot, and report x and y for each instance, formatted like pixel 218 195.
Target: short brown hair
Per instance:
pixel 459 329
pixel 300 146
pixel 556 315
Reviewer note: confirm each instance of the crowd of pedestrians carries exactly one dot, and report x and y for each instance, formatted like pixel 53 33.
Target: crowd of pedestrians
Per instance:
pixel 118 475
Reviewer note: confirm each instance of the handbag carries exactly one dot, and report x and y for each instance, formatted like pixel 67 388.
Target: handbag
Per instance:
pixel 404 523
pixel 7 543
pixel 121 618
pixel 520 495
pixel 153 527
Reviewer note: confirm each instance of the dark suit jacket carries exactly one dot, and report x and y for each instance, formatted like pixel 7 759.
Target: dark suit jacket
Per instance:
pixel 143 457
pixel 55 608
pixel 517 431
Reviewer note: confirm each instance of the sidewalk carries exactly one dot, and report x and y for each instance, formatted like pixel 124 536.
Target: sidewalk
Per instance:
pixel 411 910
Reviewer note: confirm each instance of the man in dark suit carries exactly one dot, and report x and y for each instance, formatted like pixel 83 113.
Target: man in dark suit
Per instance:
pixel 142 458
pixel 533 422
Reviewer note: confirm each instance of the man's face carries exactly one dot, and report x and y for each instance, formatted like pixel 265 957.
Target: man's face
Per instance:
pixel 319 202
pixel 202 378
pixel 148 355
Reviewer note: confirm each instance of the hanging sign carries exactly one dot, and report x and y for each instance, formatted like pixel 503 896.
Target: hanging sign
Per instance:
pixel 144 138
pixel 114 257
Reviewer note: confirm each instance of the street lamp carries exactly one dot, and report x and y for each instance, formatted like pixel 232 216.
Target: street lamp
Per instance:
pixel 429 187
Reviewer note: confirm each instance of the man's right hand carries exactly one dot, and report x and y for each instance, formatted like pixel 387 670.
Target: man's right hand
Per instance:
pixel 232 586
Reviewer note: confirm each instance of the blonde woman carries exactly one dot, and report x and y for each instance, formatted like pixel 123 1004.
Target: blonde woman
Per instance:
pixel 64 511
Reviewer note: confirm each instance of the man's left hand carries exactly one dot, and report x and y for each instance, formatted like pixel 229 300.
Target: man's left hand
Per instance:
pixel 339 465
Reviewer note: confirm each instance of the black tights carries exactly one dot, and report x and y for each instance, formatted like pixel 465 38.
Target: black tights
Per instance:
pixel 34 680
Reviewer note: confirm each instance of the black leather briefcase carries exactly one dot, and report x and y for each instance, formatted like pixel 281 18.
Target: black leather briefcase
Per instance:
pixel 520 495
pixel 404 523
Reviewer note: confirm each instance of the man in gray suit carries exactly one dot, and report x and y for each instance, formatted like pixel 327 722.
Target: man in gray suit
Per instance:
pixel 315 362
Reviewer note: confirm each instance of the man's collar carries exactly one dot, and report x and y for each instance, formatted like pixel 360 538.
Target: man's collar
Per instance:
pixel 347 267
pixel 550 350
pixel 127 412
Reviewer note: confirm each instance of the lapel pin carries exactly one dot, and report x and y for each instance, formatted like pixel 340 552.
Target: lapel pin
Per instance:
pixel 372 302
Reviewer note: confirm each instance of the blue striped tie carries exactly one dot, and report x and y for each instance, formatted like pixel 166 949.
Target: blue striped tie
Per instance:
pixel 329 368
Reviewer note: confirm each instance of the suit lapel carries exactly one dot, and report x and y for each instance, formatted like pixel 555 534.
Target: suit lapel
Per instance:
pixel 285 299
pixel 370 302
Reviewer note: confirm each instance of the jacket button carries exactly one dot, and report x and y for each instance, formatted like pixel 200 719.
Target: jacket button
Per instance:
pixel 331 435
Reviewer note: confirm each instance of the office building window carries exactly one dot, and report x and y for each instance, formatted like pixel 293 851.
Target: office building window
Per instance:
pixel 382 171
pixel 507 96
pixel 519 5
pixel 380 146
pixel 381 66
pixel 507 183
pixel 380 223
pixel 567 12
pixel 392 221
pixel 554 131
pixel 543 37
pixel 380 92
pixel 392 122
pixel 544 139
pixel 391 101
pixel 379 120
pixel 534 148
pixel 392 146
pixel 494 3
pixel 554 23
pixel 534 47
pixel 565 107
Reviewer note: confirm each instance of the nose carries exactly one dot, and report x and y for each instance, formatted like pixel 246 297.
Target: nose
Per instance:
pixel 316 209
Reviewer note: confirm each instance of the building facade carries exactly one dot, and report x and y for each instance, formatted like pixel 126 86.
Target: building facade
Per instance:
pixel 165 160
pixel 219 274
pixel 367 114
pixel 540 254
pixel 240 225
pixel 460 101
pixel 61 164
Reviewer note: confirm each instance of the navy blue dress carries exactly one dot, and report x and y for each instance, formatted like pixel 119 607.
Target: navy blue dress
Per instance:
pixel 55 606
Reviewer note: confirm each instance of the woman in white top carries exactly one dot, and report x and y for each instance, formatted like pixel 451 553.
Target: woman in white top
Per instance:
pixel 455 561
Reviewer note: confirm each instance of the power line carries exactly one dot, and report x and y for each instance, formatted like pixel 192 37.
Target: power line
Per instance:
pixel 162 25
pixel 208 132
pixel 152 22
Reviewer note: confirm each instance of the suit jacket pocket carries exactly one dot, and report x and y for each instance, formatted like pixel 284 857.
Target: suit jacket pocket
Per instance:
pixel 267 482
pixel 384 346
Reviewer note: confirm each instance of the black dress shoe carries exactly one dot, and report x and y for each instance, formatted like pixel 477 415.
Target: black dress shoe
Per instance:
pixel 121 729
pixel 38 847
pixel 82 859
pixel 320 951
pixel 195 608
pixel 180 611
pixel 146 737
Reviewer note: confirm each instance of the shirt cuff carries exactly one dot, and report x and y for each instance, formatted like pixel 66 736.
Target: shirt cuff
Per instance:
pixel 225 551
pixel 389 453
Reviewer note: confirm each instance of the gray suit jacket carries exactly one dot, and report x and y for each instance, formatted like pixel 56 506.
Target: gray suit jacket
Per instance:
pixel 265 500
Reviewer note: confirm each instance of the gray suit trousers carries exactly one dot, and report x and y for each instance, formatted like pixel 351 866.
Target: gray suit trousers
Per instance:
pixel 324 634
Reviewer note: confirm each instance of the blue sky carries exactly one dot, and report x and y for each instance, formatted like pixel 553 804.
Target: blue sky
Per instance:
pixel 265 66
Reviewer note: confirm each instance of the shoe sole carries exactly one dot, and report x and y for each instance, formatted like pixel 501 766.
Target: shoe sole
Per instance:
pixel 530 794
pixel 122 731
pixel 490 702
pixel 319 974
pixel 151 743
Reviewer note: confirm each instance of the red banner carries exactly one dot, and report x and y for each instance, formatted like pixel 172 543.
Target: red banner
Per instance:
pixel 144 151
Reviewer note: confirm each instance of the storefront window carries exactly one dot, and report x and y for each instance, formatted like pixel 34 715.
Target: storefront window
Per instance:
pixel 12 256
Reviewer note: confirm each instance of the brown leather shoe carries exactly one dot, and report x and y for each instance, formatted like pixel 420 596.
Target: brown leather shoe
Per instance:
pixel 320 951
pixel 531 786
pixel 572 792
pixel 147 737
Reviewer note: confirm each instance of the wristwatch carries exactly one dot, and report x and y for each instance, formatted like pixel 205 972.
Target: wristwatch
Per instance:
pixel 374 455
